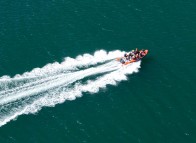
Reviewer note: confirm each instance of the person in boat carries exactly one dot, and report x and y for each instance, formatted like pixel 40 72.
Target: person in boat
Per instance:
pixel 131 54
pixel 133 58
pixel 136 51
pixel 127 56
pixel 137 56
pixel 141 54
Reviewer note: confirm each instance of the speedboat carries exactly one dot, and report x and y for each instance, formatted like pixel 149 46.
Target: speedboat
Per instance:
pixel 127 59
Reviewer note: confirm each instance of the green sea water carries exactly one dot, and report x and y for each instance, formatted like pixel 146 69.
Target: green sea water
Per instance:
pixel 154 105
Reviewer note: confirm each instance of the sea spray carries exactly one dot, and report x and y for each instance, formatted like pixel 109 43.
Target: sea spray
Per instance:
pixel 60 85
pixel 68 64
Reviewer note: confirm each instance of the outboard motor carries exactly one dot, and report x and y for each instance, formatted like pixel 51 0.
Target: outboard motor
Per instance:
pixel 122 60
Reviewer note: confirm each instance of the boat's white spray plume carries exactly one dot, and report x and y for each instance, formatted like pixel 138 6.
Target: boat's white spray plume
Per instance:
pixel 55 83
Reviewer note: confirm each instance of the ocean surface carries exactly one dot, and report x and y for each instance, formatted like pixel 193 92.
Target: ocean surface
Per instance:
pixel 59 81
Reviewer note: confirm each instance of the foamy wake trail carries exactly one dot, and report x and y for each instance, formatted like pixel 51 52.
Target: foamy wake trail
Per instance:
pixel 55 83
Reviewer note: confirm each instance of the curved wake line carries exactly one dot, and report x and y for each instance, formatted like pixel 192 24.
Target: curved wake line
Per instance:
pixel 22 95
pixel 44 86
pixel 68 64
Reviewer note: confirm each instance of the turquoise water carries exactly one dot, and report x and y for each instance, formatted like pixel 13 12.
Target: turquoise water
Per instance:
pixel 156 104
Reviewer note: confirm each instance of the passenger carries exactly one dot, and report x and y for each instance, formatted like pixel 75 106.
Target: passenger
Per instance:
pixel 142 53
pixel 131 54
pixel 137 56
pixel 140 56
pixel 127 56
pixel 133 58
pixel 136 51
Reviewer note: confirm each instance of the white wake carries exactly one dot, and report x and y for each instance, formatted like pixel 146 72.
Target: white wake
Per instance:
pixel 57 82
